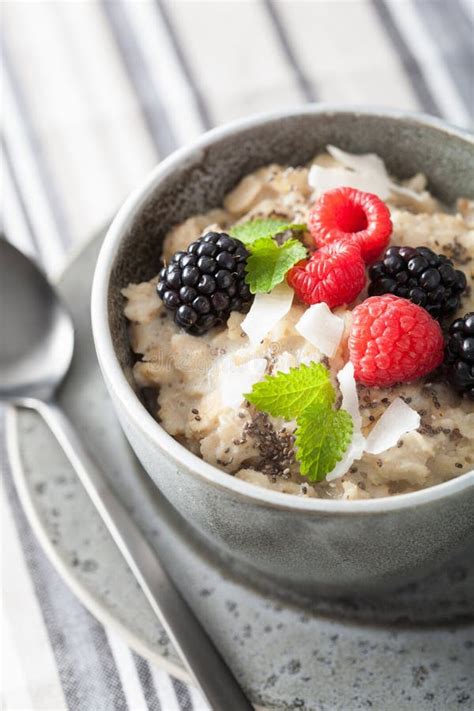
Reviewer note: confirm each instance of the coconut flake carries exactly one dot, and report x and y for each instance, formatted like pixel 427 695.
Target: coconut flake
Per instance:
pixel 407 192
pixel 350 398
pixel 397 420
pixel 350 402
pixel 365 171
pixel 354 451
pixel 370 163
pixel 237 380
pixel 266 311
pixel 361 162
pixel 321 328
pixel 284 362
pixel 323 179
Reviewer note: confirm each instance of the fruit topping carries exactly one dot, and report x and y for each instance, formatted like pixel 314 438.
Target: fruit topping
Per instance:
pixel 428 279
pixel 460 355
pixel 335 275
pixel 204 284
pixel 353 215
pixel 393 340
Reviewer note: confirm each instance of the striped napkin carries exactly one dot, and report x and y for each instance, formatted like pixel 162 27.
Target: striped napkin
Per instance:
pixel 94 94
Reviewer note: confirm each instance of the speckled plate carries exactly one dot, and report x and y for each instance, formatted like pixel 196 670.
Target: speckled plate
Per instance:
pixel 285 655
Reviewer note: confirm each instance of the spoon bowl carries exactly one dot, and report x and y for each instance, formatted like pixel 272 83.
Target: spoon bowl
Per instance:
pixel 37 340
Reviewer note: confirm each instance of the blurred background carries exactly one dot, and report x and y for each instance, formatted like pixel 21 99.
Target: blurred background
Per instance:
pixel 94 94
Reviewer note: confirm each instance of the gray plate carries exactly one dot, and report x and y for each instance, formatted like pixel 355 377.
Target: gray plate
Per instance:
pixel 286 657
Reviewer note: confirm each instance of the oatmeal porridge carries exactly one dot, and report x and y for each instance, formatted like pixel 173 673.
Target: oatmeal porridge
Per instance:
pixel 313 335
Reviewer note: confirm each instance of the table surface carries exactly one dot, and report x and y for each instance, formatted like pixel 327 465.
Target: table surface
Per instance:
pixel 94 94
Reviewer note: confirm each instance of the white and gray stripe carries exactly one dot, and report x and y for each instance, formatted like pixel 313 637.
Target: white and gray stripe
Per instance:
pixel 425 47
pixel 140 76
pixel 30 680
pixel 183 695
pixel 146 680
pixel 17 224
pixel 453 33
pixel 188 72
pixel 288 51
pixel 408 60
pixel 19 115
pixel 146 23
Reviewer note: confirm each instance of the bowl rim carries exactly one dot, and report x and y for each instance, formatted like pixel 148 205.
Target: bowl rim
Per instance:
pixel 127 398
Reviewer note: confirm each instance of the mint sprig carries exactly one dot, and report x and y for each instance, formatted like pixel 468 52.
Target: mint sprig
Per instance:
pixel 269 262
pixel 289 394
pixel 322 437
pixel 253 230
pixel 306 394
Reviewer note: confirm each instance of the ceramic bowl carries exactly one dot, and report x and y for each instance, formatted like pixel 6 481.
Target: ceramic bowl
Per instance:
pixel 308 545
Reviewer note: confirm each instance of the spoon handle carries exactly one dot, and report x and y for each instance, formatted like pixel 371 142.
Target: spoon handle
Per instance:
pixel 202 659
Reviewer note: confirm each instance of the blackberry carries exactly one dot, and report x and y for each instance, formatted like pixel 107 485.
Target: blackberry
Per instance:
pixel 204 284
pixel 428 279
pixel 459 359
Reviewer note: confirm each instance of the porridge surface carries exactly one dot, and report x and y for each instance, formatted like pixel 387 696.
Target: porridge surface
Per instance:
pixel 189 372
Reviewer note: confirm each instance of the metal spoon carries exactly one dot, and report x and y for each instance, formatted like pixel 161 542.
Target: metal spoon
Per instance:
pixel 36 347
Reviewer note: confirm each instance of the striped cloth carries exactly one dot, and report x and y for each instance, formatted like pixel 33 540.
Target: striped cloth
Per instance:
pixel 94 94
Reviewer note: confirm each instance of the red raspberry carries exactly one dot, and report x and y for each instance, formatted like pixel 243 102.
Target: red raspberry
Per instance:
pixel 334 274
pixel 346 213
pixel 393 340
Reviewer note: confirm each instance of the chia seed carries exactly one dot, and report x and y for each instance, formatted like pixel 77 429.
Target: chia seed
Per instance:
pixel 429 430
pixel 455 434
pixel 275 447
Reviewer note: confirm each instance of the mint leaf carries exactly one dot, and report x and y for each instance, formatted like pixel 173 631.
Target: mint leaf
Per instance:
pixel 250 232
pixel 268 263
pixel 322 437
pixel 288 394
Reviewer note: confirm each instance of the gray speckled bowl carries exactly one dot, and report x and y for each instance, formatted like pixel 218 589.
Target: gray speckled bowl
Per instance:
pixel 308 545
